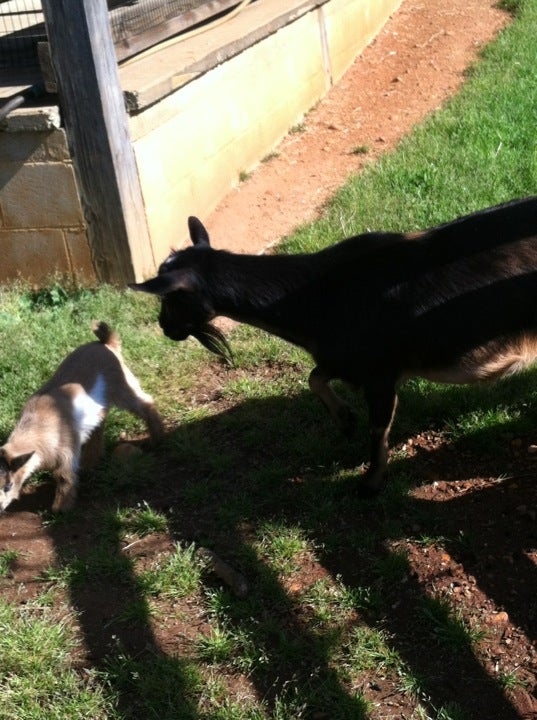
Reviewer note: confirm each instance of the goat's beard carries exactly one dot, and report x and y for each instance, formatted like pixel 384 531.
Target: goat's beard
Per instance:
pixel 214 340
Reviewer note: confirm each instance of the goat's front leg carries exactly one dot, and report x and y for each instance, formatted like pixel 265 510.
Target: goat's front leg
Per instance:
pixel 382 401
pixel 338 409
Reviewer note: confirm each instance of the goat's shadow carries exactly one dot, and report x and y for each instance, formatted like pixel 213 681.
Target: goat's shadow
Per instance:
pixel 201 480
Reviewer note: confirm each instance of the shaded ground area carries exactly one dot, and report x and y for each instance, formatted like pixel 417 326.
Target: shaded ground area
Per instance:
pixel 466 532
pixel 486 564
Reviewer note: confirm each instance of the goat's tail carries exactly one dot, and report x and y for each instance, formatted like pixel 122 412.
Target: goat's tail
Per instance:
pixel 106 335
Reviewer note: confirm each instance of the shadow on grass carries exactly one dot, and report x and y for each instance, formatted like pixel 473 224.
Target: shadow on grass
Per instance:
pixel 218 479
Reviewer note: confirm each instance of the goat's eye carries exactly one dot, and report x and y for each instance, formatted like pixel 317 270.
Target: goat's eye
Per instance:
pixel 8 487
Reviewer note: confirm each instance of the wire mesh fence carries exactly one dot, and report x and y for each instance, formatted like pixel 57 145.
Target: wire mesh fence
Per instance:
pixel 135 25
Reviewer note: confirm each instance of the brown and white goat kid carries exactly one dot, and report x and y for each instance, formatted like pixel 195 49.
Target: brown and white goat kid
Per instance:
pixel 456 303
pixel 61 426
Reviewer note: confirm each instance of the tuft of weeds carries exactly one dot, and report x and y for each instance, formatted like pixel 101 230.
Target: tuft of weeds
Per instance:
pixel 298 128
pixel 282 546
pixel 448 624
pixel 270 156
pixel 141 520
pixel 175 576
pixel 360 150
pixel 7 559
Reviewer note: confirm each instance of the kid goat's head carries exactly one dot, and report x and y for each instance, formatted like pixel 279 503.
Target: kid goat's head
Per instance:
pixel 186 307
pixel 13 473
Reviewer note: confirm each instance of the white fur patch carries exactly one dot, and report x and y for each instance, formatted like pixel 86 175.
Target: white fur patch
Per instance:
pixel 89 409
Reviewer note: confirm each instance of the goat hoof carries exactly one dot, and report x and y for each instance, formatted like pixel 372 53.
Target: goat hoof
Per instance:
pixel 370 486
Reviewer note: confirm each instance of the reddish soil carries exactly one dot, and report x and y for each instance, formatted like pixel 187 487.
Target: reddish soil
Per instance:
pixel 417 62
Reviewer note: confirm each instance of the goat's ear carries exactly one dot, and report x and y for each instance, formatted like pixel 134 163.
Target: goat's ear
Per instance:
pixel 17 462
pixel 163 284
pixel 198 233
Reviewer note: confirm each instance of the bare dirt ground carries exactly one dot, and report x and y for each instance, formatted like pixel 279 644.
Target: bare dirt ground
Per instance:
pixel 417 62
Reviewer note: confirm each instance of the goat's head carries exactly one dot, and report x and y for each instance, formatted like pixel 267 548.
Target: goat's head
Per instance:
pixel 13 473
pixel 186 307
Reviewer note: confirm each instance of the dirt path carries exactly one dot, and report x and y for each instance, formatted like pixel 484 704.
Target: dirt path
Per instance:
pixel 409 70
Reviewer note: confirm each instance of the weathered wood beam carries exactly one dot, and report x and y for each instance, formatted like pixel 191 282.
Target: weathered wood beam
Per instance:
pixel 96 123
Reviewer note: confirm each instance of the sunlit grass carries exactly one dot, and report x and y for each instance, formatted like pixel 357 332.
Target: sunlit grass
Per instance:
pixel 250 455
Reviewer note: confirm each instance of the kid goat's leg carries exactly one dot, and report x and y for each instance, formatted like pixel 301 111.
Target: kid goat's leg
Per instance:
pixel 93 449
pixel 338 409
pixel 382 401
pixel 66 481
pixel 131 397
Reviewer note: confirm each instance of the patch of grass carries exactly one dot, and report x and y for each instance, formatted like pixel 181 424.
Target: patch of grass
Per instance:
pixel 7 560
pixel 39 678
pixel 142 682
pixel 369 649
pixel 452 711
pixel 282 546
pixel 393 566
pixel 510 680
pixel 173 576
pixel 217 647
pixel 251 465
pixel 476 151
pixel 332 603
pixel 270 156
pixel 100 564
pixel 298 128
pixel 142 520
pixel 449 625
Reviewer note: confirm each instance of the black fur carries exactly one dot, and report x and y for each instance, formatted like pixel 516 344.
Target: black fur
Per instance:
pixel 455 303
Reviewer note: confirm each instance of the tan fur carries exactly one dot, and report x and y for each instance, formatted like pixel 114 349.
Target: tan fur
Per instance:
pixel 61 426
pixel 488 362
pixel 415 235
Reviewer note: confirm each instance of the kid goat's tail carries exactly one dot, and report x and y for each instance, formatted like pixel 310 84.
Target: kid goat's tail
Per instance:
pixel 106 335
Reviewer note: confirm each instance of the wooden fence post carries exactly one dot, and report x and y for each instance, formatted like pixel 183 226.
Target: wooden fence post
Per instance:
pixel 96 123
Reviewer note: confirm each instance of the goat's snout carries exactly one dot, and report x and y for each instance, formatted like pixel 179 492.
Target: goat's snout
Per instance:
pixel 175 333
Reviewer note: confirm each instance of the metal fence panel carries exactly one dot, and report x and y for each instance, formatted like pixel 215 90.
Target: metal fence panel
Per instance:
pixel 135 25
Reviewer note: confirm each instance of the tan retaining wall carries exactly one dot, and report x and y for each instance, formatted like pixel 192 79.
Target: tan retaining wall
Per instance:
pixel 192 147
pixel 202 112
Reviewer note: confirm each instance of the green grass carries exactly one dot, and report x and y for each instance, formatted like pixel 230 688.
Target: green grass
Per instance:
pixel 448 625
pixel 7 560
pixel 252 468
pixel 39 678
pixel 479 150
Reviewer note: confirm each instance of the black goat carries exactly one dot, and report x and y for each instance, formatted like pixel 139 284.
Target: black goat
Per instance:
pixel 456 303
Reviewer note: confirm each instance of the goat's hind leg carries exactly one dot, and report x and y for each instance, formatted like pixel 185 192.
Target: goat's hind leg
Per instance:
pixel 381 399
pixel 93 449
pixel 131 397
pixel 342 414
pixel 66 484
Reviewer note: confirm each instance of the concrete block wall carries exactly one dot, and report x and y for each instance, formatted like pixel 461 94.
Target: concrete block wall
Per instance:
pixel 225 101
pixel 42 228
pixel 192 146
